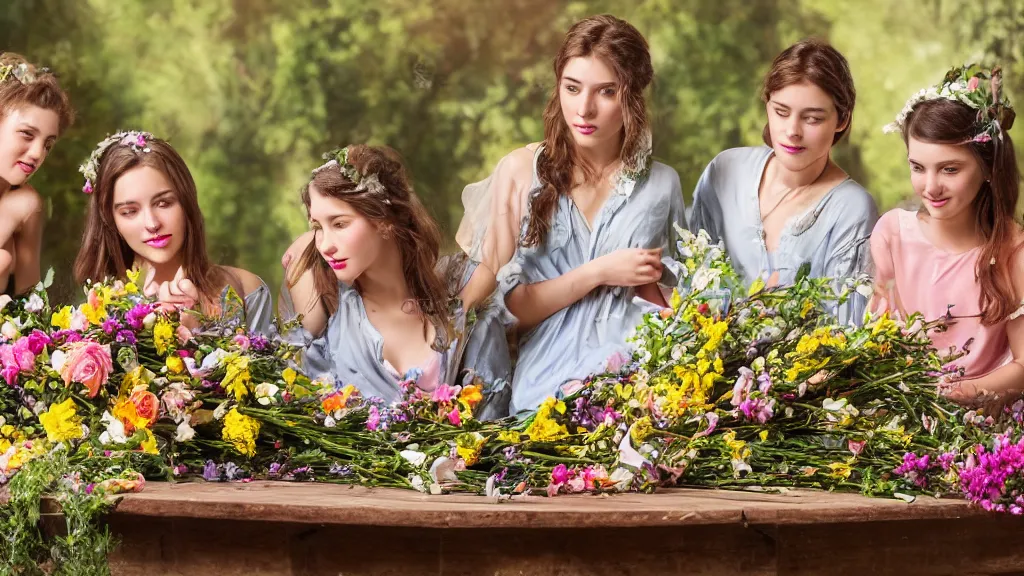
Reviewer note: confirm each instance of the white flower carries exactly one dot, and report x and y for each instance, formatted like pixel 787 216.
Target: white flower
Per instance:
pixel 114 432
pixel 414 457
pixel 58 359
pixel 149 320
pixel 833 405
pixel 622 478
pixel 739 467
pixel 330 422
pixel 443 470
pixel 184 432
pixel 417 482
pixel 78 320
pixel 4 301
pixel 265 393
pixel 705 277
pixel 221 410
pixel 35 303
pixel 9 331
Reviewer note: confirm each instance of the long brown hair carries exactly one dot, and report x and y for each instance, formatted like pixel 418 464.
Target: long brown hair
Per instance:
pixel 397 212
pixel 43 90
pixel 817 62
pixel 624 49
pixel 105 253
pixel 943 121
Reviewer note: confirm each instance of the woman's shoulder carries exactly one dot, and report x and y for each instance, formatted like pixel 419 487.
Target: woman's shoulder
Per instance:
pixel 23 201
pixel 239 278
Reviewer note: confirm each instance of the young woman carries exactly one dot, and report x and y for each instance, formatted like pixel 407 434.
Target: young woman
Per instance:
pixel 34 112
pixel 575 228
pixel 959 257
pixel 144 212
pixel 780 206
pixel 377 305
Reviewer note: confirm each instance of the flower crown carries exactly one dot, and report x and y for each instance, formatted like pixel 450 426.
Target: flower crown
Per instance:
pixel 973 86
pixel 137 141
pixel 20 72
pixel 364 182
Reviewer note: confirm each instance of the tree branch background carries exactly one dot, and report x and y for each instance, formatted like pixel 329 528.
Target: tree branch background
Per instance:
pixel 252 91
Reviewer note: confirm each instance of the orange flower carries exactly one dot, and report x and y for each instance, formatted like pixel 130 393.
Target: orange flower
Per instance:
pixel 147 405
pixel 471 395
pixel 337 400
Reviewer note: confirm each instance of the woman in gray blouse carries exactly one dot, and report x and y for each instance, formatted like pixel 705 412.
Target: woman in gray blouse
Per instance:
pixel 378 308
pixel 780 206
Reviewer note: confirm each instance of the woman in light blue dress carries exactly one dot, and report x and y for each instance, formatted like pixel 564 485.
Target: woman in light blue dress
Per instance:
pixel 144 212
pixel 378 306
pixel 784 205
pixel 574 231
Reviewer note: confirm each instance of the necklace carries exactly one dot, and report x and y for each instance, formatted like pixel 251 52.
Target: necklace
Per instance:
pixel 785 195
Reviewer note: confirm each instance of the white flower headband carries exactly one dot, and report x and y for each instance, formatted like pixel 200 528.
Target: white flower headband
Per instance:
pixel 364 183
pixel 137 141
pixel 21 73
pixel 973 86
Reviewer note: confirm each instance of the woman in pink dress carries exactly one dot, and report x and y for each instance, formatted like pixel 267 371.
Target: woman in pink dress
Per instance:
pixel 959 257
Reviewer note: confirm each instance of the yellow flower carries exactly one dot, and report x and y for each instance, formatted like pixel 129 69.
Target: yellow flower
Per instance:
pixel 739 448
pixel 756 286
pixel 61 422
pixel 763 435
pixel 238 378
pixel 806 309
pixel 62 318
pixel 175 365
pixel 94 315
pixel 509 436
pixel 131 288
pixel 469 446
pixel 289 374
pixel 544 428
pixel 134 275
pixel 676 301
pixel 641 430
pixel 163 335
pixel 148 444
pixel 840 471
pixel 241 432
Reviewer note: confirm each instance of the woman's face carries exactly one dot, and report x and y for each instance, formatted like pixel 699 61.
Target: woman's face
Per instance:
pixel 589 94
pixel 803 122
pixel 946 177
pixel 27 133
pixel 347 240
pixel 148 215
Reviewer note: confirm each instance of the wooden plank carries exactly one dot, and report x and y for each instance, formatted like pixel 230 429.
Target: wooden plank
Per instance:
pixel 308 503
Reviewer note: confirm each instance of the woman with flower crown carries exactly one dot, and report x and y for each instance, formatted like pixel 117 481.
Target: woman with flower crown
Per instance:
pixel 573 231
pixel 34 112
pixel 144 212
pixel 378 306
pixel 959 257
pixel 787 204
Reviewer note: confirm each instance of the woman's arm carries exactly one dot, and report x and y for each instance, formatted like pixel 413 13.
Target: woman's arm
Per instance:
pixel 534 303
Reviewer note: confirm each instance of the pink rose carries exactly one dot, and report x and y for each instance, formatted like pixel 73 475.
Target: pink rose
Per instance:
pixel 10 374
pixel 972 84
pixel 18 357
pixel 242 341
pixel 89 364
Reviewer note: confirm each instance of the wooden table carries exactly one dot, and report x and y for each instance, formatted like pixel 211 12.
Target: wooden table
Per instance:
pixel 264 528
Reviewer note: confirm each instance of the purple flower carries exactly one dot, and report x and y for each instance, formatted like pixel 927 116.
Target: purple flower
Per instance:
pixel 339 470
pixel 111 325
pixel 274 469
pixel 126 337
pixel 137 314
pixel 65 337
pixel 258 342
pixel 211 473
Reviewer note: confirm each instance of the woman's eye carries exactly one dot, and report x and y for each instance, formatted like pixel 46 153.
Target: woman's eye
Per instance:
pixel 572 89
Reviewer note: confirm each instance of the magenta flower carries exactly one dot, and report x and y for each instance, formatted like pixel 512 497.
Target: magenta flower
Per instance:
pixel 38 341
pixel 455 418
pixel 373 419
pixel 560 475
